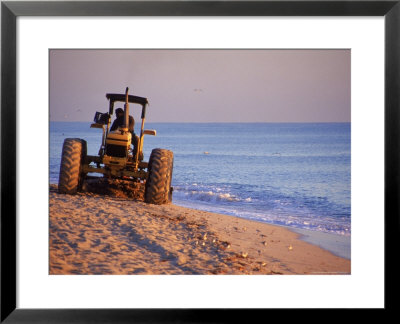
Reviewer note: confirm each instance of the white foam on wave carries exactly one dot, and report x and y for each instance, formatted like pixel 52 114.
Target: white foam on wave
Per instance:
pixel 208 196
pixel 221 203
pixel 195 192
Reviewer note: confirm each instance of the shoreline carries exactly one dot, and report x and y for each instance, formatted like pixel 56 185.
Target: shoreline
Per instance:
pixel 339 245
pixel 101 234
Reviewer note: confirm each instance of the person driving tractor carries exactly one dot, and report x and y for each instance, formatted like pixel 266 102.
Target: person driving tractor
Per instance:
pixel 119 122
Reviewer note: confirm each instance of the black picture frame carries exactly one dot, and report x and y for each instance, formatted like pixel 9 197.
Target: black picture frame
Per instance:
pixel 10 10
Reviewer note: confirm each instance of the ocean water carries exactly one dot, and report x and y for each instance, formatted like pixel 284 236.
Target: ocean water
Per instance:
pixel 291 174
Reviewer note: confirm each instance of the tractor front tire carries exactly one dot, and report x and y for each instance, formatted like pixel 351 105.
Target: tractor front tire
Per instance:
pixel 72 157
pixel 158 188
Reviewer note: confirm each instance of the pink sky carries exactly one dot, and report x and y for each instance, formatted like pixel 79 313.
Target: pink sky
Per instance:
pixel 205 85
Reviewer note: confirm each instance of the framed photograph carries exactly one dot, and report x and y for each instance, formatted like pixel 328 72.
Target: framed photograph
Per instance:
pixel 305 90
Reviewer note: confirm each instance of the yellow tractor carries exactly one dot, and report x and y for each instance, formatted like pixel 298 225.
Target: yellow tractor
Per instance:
pixel 117 158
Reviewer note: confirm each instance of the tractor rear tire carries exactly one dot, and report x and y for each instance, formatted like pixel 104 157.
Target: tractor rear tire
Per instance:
pixel 72 157
pixel 158 188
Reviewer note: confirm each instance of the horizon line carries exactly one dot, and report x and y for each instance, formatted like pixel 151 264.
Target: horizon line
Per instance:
pixel 222 122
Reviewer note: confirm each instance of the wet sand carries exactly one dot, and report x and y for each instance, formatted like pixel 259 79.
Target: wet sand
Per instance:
pixel 110 233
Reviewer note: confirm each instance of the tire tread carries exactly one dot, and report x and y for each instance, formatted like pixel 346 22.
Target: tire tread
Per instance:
pixel 70 168
pixel 158 184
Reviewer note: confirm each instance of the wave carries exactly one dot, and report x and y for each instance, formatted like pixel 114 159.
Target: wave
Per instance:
pixel 271 207
pixel 215 195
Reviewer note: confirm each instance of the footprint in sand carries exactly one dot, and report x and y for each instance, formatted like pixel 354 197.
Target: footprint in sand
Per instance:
pixel 96 242
pixel 73 245
pixel 82 236
pixel 106 248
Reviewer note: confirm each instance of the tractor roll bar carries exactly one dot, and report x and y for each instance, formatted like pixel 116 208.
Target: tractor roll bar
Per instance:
pixel 121 97
pixel 113 97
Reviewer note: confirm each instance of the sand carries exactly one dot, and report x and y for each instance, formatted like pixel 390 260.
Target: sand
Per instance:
pixel 108 233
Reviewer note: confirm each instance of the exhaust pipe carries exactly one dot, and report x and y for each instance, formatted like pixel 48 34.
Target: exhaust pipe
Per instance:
pixel 126 110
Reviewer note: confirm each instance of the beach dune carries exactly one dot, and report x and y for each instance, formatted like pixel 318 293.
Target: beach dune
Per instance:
pixel 113 234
